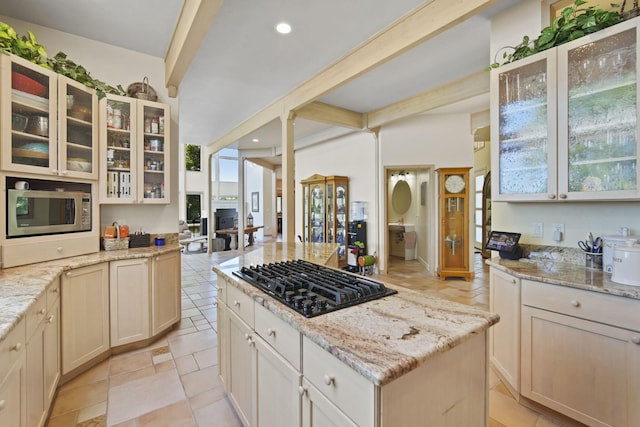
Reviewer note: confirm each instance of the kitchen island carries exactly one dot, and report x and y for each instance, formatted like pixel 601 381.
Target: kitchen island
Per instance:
pixel 405 359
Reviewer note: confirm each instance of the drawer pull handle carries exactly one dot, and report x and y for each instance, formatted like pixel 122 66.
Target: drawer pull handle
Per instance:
pixel 41 311
pixel 513 281
pixel 50 318
pixel 55 290
pixel 236 303
pixel 302 391
pixel 562 196
pixel 329 380
pixel 17 346
pixel 2 404
pixel 68 274
pixel 215 303
pixel 271 332
pixel 635 340
pixel 575 303
pixel 551 196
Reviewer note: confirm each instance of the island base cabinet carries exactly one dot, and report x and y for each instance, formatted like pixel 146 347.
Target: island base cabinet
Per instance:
pixel 129 300
pixel 85 315
pixel 13 396
pixel 450 390
pixel 241 368
pixel 317 410
pixel 586 370
pixel 165 292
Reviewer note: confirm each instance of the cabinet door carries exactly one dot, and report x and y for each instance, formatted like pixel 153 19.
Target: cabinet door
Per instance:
pixel 165 291
pixel 85 315
pixel 317 410
pixel 523 127
pixel 281 408
pixel 240 387
pixel 598 115
pixel 78 130
pixel 317 215
pixel 13 396
pixel 29 117
pixel 222 319
pixel 153 152
pixel 118 150
pixel 34 377
pixel 129 300
pixel 51 354
pixel 586 370
pixel 504 344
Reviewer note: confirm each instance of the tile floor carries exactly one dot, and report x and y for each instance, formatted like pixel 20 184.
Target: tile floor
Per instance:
pixel 174 381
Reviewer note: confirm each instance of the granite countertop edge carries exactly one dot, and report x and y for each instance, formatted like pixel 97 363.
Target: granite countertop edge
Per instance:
pixel 21 287
pixel 564 274
pixel 414 326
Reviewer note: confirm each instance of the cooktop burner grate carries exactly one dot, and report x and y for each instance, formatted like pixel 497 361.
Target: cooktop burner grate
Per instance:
pixel 311 289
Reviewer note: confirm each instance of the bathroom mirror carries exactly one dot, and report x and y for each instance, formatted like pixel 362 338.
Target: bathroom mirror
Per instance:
pixel 401 197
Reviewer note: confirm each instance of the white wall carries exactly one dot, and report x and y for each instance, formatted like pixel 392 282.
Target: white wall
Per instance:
pixel 579 218
pixel 115 65
pixel 254 183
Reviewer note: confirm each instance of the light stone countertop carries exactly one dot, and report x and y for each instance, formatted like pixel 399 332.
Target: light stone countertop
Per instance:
pixel 20 287
pixel 564 274
pixel 382 339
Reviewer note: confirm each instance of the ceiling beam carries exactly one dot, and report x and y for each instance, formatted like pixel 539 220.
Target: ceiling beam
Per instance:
pixel 193 23
pixel 261 162
pixel 325 113
pixel 425 22
pixel 457 90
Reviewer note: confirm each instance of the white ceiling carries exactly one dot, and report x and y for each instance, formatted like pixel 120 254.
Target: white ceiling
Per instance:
pixel 243 64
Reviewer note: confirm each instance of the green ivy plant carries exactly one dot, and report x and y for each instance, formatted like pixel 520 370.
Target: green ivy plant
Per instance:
pixel 27 47
pixel 572 23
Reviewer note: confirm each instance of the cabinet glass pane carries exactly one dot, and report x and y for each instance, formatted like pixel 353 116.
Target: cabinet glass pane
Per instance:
pixel 454 220
pixel 79 132
pixel 154 152
pixel 523 129
pixel 120 159
pixel 330 216
pixel 317 214
pixel 306 213
pixel 30 118
pixel 602 114
pixel 341 219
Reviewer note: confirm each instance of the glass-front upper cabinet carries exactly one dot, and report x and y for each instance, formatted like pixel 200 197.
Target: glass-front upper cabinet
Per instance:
pixel 337 214
pixel 598 115
pixel 48 122
pixel 590 151
pixel 135 151
pixel 523 99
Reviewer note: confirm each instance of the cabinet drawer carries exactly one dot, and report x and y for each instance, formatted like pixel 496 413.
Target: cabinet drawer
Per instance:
pixel 35 314
pixel 281 336
pixel 241 304
pixel 53 293
pixel 594 306
pixel 344 387
pixel 11 348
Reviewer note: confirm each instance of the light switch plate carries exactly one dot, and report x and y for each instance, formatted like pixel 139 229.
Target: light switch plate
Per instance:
pixel 537 229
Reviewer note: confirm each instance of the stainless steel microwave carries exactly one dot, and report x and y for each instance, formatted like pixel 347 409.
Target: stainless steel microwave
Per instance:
pixel 41 212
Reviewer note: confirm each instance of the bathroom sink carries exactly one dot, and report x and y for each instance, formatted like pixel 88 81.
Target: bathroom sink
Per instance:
pixel 400 226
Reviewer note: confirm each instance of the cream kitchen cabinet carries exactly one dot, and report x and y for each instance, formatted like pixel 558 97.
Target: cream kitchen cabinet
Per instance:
pixel 581 353
pixel 43 357
pixel 504 337
pixel 129 291
pixel 318 410
pixel 13 396
pixel 564 121
pixel 85 315
pixel 135 147
pixel 241 368
pixel 48 121
pixel 165 291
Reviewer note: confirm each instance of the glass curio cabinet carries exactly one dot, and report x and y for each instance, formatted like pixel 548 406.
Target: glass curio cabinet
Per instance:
pixel 565 120
pixel 325 210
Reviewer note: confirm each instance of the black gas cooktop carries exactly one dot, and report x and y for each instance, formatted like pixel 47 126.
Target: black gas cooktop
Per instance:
pixel 311 289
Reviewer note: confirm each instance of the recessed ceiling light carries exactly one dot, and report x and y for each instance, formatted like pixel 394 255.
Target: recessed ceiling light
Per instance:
pixel 283 28
pixel 255 140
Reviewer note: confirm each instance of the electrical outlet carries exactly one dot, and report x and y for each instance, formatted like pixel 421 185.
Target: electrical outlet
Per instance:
pixel 537 229
pixel 558 232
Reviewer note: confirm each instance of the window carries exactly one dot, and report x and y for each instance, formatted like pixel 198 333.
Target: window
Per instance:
pixel 478 211
pixel 192 158
pixel 194 208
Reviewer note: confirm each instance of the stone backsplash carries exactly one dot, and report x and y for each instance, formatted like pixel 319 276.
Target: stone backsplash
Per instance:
pixel 554 253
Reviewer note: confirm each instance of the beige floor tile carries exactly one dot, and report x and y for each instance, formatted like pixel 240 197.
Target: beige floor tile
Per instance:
pixel 130 362
pixel 92 411
pixel 508 412
pixel 138 397
pixel 99 421
pixel 80 397
pixel 206 358
pixel 130 423
pixel 186 364
pixel 177 414
pixel 99 372
pixel 206 398
pixel 192 343
pixel 165 366
pixel 199 381
pixel 64 420
pixel 125 377
pixel 161 358
pixel 220 411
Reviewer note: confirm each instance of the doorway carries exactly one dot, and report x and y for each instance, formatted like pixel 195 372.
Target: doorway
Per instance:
pixel 410 208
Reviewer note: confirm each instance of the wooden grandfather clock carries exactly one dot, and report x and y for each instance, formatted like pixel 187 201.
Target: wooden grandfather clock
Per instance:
pixel 454 211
